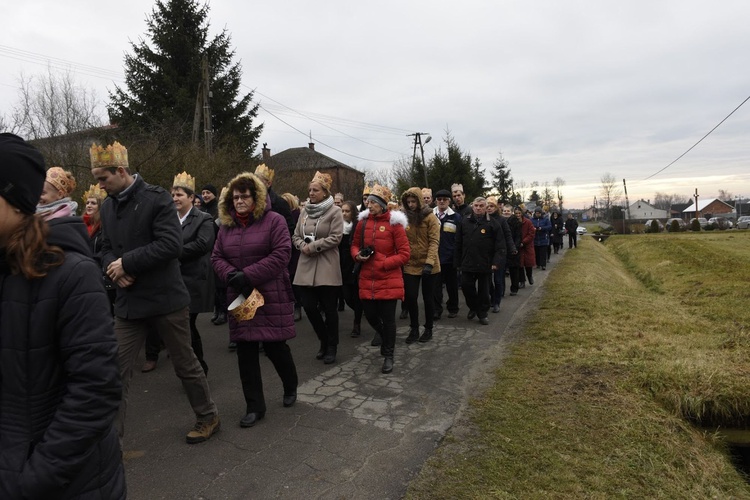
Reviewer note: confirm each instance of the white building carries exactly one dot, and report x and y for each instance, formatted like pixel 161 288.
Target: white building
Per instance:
pixel 642 210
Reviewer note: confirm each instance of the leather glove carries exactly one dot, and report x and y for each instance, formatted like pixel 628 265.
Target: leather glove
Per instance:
pixel 237 280
pixel 427 270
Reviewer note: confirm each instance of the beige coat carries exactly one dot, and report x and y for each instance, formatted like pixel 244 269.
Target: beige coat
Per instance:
pixel 321 267
pixel 424 239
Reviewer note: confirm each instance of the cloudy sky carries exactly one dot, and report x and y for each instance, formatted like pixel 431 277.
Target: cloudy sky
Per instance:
pixel 571 89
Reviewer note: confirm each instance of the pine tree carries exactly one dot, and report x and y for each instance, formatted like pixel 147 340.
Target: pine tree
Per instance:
pixel 502 181
pixel 163 75
pixel 455 167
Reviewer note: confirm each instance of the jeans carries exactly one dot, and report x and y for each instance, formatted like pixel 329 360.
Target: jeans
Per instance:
pixel 476 288
pixel 411 298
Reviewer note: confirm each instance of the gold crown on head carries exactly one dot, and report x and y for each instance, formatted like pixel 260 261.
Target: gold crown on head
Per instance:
pixel 62 180
pixel 267 174
pixel 367 190
pixel 184 180
pixel 323 179
pixel 381 192
pixel 94 191
pixel 114 155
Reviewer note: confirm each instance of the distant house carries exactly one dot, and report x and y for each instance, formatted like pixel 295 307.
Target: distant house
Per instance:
pixel 677 209
pixel 708 208
pixel 643 210
pixel 296 167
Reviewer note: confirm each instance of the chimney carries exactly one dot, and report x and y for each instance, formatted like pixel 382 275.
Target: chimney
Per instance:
pixel 312 145
pixel 266 152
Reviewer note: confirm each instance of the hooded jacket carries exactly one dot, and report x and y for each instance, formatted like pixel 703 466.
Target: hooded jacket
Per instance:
pixel 59 379
pixel 380 277
pixel 261 250
pixel 423 232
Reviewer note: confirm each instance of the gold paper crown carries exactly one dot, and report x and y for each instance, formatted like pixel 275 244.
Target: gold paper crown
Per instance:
pixel 381 192
pixel 184 180
pixel 457 187
pixel 246 310
pixel 368 190
pixel 324 180
pixel 427 192
pixel 114 155
pixel 94 192
pixel 265 173
pixel 62 180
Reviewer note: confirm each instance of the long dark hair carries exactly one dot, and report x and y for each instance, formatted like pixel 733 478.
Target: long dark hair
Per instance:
pixel 27 250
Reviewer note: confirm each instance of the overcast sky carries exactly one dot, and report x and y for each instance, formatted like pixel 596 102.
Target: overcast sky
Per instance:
pixel 572 89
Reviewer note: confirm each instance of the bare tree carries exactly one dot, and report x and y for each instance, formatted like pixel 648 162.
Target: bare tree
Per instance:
pixel 610 192
pixel 520 188
pixel 725 195
pixel 664 201
pixel 559 182
pixel 53 105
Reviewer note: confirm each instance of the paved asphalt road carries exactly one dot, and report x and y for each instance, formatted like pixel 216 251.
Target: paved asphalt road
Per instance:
pixel 354 432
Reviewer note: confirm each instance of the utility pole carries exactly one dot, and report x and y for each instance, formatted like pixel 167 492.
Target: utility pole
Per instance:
pixel 203 110
pixel 697 213
pixel 418 141
pixel 627 205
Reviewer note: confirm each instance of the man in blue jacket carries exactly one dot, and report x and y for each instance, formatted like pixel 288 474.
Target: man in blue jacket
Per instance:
pixel 449 223
pixel 141 246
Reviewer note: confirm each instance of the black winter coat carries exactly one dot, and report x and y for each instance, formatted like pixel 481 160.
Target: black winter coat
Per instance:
pixel 480 244
pixel 59 379
pixel 141 227
pixel 195 262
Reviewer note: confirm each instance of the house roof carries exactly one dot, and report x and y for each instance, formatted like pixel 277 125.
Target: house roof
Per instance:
pixel 639 203
pixel 702 204
pixel 304 159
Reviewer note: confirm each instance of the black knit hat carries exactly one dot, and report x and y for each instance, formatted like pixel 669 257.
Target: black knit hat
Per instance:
pixel 22 173
pixel 209 187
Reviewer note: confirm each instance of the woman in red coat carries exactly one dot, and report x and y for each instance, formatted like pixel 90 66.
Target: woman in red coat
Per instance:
pixel 381 248
pixel 528 257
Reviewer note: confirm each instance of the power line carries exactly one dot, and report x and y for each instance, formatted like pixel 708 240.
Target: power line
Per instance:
pixel 701 140
pixel 58 63
pixel 321 142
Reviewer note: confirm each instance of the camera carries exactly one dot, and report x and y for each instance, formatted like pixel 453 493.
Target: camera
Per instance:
pixel 366 251
pixel 309 238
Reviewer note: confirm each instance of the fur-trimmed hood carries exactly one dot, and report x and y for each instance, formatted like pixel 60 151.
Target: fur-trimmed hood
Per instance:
pixel 416 217
pixel 226 204
pixel 397 217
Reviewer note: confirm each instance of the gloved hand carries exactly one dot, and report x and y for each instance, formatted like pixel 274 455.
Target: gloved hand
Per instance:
pixel 427 270
pixel 237 280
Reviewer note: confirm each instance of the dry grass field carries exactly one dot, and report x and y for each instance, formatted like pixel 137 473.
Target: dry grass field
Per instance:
pixel 638 352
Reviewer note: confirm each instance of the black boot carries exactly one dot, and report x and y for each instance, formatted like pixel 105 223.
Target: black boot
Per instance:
pixel 426 336
pixel 413 335
pixel 330 356
pixel 376 340
pixel 355 330
pixel 221 318
pixel 387 365
pixel 321 351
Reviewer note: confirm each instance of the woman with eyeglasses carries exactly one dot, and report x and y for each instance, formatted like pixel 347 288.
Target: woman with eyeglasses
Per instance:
pixel 317 236
pixel 252 251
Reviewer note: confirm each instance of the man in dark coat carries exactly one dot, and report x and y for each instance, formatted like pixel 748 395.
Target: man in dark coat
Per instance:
pixel 571 226
pixel 481 247
pixel 449 224
pixel 459 200
pixel 142 245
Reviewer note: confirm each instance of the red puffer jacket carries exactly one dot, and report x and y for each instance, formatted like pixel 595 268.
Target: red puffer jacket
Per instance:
pixel 380 277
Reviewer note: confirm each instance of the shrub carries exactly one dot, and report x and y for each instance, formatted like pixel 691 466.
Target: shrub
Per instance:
pixel 712 226
pixel 695 225
pixel 674 227
pixel 654 226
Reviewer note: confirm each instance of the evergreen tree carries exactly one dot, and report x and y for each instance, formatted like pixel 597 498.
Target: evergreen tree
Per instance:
pixel 453 166
pixel 163 78
pixel 502 181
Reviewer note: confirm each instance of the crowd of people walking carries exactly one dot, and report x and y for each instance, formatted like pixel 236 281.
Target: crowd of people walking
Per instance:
pixel 82 296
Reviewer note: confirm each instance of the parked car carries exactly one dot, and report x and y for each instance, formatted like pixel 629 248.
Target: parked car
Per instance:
pixel 680 223
pixel 701 220
pixel 743 222
pixel 647 226
pixel 581 230
pixel 720 222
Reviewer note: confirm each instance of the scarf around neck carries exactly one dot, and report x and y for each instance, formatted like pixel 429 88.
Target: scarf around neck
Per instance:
pixel 315 210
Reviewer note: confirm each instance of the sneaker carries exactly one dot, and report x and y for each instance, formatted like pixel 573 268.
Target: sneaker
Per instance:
pixel 426 336
pixel 413 336
pixel 203 430
pixel 513 293
pixel 496 308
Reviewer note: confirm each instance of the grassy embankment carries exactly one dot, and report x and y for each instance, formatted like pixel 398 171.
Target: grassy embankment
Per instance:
pixel 635 342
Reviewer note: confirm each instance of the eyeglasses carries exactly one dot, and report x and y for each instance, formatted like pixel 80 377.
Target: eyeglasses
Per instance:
pixel 242 197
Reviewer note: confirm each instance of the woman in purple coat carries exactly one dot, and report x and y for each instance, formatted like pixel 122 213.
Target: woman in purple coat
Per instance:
pixel 252 250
